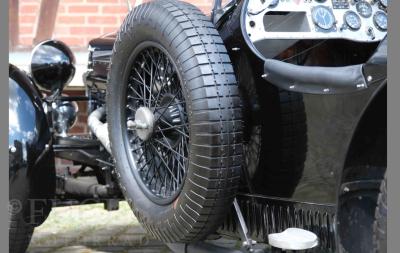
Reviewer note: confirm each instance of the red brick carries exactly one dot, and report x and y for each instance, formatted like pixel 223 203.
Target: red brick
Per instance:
pixel 82 105
pixel 63 161
pixel 121 19
pixel 79 13
pixel 29 8
pixel 61 30
pixel 77 130
pixel 76 93
pixel 27 19
pixel 114 9
pixel 26 29
pixel 103 1
pixel 26 41
pixel 72 1
pixel 85 30
pixel 82 118
pixel 71 41
pixel 104 20
pixel 70 20
pixel 61 8
pixel 106 30
pixel 82 9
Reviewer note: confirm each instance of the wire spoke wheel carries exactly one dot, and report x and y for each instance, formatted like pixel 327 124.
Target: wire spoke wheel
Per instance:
pixel 174 120
pixel 157 124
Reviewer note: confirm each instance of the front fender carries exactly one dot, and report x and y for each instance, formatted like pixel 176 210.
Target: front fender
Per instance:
pixel 31 159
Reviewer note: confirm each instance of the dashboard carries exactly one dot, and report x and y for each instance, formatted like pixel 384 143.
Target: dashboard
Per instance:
pixel 356 20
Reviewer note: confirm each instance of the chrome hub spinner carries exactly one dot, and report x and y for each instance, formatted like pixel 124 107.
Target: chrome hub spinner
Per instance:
pixel 143 124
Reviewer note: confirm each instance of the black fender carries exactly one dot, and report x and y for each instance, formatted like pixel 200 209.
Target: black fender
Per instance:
pixel 31 158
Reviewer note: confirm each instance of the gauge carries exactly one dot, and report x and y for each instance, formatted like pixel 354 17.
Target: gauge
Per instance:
pixel 364 9
pixel 352 20
pixel 323 17
pixel 384 3
pixel 273 3
pixel 380 20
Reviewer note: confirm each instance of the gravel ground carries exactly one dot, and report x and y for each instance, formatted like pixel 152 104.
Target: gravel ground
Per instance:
pixel 91 229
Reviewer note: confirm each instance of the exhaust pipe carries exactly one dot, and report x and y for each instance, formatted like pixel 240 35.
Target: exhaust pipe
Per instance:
pixel 84 187
pixel 98 128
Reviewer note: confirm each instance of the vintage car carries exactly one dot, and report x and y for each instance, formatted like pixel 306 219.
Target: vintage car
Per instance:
pixel 264 122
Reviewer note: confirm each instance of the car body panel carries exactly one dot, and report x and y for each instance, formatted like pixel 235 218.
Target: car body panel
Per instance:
pixel 31 160
pixel 332 121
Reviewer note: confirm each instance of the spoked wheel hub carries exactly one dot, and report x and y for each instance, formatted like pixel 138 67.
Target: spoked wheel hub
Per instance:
pixel 171 117
pixel 143 123
pixel 156 123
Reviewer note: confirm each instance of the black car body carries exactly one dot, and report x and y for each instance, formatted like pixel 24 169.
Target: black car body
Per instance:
pixel 342 152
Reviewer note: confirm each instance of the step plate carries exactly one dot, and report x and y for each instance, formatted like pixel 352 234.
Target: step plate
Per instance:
pixel 293 239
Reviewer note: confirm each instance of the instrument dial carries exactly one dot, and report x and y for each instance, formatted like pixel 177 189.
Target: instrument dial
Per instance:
pixel 323 17
pixel 273 3
pixel 364 8
pixel 384 3
pixel 352 20
pixel 380 20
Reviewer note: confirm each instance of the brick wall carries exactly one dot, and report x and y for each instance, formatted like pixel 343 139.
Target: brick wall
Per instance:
pixel 80 128
pixel 78 21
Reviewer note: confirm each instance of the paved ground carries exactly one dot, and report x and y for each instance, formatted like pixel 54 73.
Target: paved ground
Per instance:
pixel 91 229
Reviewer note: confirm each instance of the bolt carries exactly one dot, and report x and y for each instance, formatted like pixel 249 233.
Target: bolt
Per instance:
pixel 370 33
pixel 136 125
pixel 13 149
pixel 131 124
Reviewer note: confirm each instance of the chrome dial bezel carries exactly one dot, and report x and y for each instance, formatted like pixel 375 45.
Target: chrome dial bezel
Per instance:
pixel 377 25
pixel 347 22
pixel 362 14
pixel 384 3
pixel 328 11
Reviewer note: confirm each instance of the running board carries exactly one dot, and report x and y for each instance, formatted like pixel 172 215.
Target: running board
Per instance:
pixel 265 215
pixel 293 239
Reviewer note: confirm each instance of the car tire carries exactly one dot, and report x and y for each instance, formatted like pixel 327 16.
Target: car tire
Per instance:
pixel 283 143
pixel 20 232
pixel 197 58
pixel 362 211
pixel 380 224
pixel 275 134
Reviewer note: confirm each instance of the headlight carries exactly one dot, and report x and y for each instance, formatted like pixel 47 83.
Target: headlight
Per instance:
pixel 65 116
pixel 52 65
